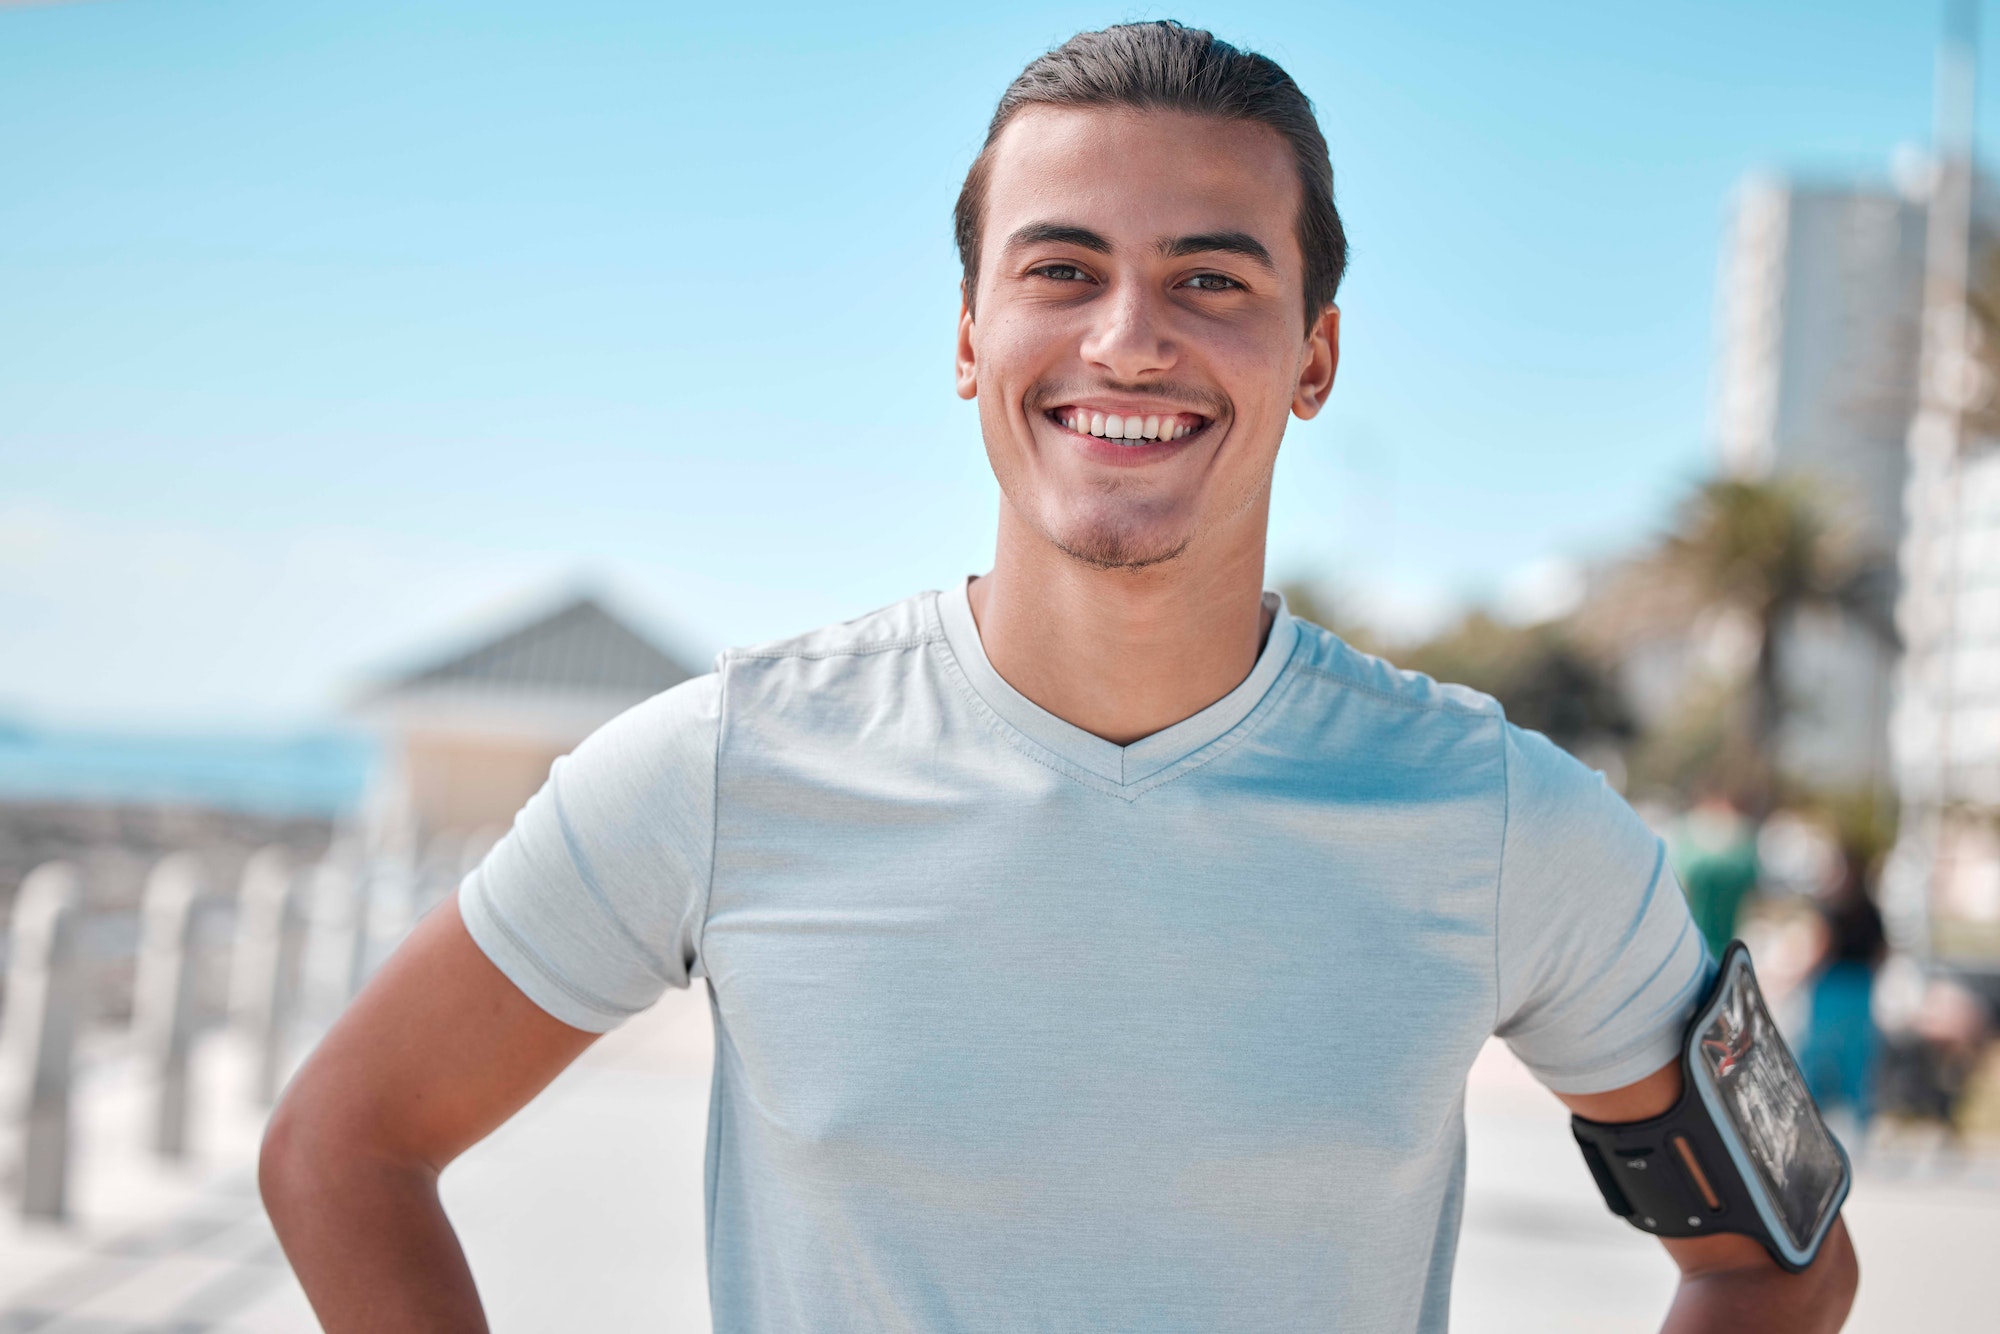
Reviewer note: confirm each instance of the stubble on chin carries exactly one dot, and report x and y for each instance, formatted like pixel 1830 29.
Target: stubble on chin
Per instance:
pixel 1115 542
pixel 1117 551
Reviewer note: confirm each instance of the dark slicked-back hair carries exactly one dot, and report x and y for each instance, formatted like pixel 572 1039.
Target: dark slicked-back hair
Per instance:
pixel 1167 67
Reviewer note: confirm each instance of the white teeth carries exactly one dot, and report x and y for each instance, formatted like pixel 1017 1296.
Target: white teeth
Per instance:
pixel 1112 426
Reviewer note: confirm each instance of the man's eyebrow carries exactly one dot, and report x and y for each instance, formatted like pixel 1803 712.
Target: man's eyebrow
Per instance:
pixel 1059 233
pixel 1209 243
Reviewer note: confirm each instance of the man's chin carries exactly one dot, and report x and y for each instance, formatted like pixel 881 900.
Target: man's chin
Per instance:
pixel 1114 549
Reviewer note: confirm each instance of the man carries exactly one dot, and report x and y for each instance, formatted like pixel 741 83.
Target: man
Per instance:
pixel 1092 945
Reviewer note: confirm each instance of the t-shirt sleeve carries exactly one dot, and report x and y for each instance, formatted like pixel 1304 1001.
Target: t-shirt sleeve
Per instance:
pixel 1600 966
pixel 593 903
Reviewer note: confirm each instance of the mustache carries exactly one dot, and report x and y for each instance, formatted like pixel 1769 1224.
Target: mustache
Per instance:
pixel 1208 402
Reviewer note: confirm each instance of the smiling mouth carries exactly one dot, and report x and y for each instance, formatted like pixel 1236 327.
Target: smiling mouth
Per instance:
pixel 1135 429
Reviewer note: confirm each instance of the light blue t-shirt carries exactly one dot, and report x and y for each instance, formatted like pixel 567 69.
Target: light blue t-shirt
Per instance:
pixel 1017 1029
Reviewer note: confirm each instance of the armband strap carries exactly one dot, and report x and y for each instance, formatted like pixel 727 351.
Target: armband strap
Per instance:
pixel 1743 1150
pixel 1670 1176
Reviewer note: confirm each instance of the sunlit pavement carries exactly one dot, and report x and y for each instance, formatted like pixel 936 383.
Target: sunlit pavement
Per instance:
pixel 585 1213
pixel 1541 1253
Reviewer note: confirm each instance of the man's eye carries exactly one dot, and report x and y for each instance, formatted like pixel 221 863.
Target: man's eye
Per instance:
pixel 1062 273
pixel 1212 282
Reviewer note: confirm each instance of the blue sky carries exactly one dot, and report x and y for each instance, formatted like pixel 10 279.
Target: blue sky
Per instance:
pixel 331 331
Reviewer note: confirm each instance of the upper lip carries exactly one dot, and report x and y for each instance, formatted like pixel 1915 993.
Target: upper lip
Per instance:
pixel 1126 408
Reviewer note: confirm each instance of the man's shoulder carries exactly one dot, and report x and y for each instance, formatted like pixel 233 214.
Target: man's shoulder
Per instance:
pixel 899 627
pixel 1456 720
pixel 1350 718
pixel 910 623
pixel 1344 671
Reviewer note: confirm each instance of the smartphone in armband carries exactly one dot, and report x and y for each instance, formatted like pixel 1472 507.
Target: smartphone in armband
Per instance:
pixel 1744 1150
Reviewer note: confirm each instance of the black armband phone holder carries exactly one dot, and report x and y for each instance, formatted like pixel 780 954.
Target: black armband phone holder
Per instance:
pixel 1744 1150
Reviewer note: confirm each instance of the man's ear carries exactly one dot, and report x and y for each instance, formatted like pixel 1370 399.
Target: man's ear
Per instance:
pixel 1322 359
pixel 968 357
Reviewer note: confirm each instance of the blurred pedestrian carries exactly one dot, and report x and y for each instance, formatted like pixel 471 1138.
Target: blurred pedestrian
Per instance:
pixel 1931 1051
pixel 1714 849
pixel 1841 1047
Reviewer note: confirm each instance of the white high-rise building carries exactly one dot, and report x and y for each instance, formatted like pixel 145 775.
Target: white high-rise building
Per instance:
pixel 1820 304
pixel 1947 721
pixel 1819 309
pixel 1941 890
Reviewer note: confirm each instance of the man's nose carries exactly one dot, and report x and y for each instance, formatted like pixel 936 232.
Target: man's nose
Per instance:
pixel 1130 334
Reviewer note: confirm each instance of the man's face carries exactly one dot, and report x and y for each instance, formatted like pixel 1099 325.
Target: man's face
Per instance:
pixel 1139 336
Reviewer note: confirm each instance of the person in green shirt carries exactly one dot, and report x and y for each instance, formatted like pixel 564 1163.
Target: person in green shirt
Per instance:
pixel 1714 849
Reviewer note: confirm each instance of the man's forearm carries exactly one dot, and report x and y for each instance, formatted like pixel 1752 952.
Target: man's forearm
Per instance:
pixel 437 1050
pixel 369 1241
pixel 1767 1299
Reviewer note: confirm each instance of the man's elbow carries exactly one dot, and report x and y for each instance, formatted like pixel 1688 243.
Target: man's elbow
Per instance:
pixel 287 1161
pixel 312 1149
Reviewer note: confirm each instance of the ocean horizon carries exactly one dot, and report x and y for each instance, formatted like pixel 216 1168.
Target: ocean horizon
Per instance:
pixel 321 772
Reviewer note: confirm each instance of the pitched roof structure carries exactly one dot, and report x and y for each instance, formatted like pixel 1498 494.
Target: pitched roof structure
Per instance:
pixel 555 678
pixel 578 647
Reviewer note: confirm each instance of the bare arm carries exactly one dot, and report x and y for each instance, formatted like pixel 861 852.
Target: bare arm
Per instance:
pixel 437 1050
pixel 1728 1281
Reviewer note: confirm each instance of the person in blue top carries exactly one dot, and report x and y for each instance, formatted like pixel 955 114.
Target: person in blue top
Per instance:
pixel 1091 943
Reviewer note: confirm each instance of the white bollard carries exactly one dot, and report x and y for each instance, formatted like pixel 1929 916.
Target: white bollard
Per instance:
pixel 163 999
pixel 368 887
pixel 394 904
pixel 38 1033
pixel 384 910
pixel 264 964
pixel 438 874
pixel 333 911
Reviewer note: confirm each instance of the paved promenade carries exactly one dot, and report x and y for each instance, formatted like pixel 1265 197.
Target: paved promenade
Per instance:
pixel 585 1213
pixel 1540 1254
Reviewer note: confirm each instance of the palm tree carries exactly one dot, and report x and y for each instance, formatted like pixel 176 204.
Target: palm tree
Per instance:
pixel 1768 551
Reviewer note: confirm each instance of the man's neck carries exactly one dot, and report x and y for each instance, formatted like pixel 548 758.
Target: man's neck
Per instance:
pixel 1121 654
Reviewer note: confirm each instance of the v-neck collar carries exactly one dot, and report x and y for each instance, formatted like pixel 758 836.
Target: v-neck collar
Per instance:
pixel 1123 766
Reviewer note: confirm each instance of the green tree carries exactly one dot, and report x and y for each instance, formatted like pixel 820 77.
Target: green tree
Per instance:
pixel 1538 673
pixel 1769 551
